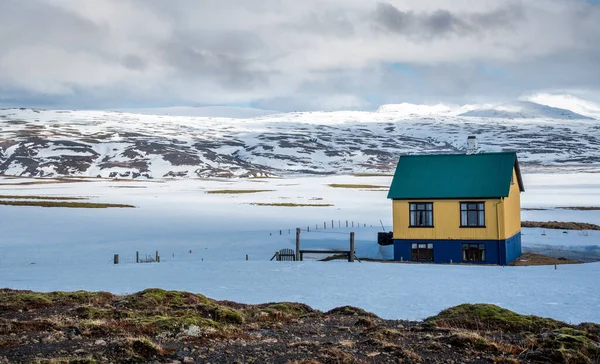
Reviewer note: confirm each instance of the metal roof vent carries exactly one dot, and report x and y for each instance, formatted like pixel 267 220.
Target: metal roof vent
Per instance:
pixel 472 147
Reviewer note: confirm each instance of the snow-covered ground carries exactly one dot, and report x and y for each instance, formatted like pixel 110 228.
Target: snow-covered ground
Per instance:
pixel 67 249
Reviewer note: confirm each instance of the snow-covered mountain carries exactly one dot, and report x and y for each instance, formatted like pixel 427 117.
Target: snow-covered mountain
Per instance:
pixel 126 145
pixel 206 111
pixel 523 110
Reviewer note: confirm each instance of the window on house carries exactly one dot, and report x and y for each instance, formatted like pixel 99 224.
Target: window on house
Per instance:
pixel 472 214
pixel 473 252
pixel 421 214
pixel 422 252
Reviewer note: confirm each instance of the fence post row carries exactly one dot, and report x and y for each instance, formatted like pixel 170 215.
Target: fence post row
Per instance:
pixel 297 244
pixel 351 254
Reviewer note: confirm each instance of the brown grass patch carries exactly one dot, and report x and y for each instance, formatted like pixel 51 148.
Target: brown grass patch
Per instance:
pixel 128 186
pixel 30 183
pixel 528 259
pixel 341 185
pixel 53 198
pixel 81 205
pixel 373 175
pixel 559 225
pixel 276 204
pixel 234 192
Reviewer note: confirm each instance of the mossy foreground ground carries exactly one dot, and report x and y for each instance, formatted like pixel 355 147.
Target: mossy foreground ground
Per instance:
pixel 158 326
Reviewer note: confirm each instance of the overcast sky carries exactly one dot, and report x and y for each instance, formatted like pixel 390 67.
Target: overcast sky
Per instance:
pixel 294 55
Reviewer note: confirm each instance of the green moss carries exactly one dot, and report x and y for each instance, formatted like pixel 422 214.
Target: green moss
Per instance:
pixel 93 313
pixel 25 301
pixel 158 324
pixel 492 318
pixel 350 311
pixel 569 340
pixel 155 297
pixel 290 308
pixel 144 348
pixel 228 315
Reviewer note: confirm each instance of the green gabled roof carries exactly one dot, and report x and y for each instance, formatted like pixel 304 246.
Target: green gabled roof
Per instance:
pixel 455 176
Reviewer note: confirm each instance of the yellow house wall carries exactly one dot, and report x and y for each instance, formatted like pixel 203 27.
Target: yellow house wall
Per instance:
pixel 446 221
pixel 512 209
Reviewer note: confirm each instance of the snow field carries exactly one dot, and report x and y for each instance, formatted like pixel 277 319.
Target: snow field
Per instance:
pixel 47 249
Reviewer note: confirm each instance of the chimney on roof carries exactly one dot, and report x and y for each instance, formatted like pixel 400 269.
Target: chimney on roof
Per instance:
pixel 472 147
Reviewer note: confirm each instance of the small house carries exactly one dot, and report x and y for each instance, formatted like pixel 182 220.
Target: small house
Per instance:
pixel 457 208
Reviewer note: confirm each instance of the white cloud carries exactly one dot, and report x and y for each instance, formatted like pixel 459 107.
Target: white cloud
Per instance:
pixel 117 53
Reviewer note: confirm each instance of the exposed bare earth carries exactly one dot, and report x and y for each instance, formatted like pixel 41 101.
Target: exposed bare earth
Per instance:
pixel 562 225
pixel 177 327
pixel 279 204
pixel 538 259
pixel 234 192
pixel 360 186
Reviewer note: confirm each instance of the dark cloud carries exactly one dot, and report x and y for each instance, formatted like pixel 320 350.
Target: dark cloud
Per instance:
pixel 133 62
pixel 35 22
pixel 227 57
pixel 442 23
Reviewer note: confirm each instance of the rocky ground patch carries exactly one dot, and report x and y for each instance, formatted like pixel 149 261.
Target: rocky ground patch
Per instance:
pixel 177 327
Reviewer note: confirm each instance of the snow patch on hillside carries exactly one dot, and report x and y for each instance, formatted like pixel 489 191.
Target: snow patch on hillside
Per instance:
pixel 569 102
pixel 523 110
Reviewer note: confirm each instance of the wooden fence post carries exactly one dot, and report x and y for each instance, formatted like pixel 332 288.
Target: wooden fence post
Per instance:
pixel 116 259
pixel 351 256
pixel 297 244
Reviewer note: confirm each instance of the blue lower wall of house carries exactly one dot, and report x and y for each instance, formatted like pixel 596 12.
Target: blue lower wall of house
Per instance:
pixel 499 252
pixel 513 247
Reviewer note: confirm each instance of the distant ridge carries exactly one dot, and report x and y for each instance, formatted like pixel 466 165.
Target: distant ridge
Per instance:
pixel 524 110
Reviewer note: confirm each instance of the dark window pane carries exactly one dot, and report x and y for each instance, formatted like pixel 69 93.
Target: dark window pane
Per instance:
pixel 472 218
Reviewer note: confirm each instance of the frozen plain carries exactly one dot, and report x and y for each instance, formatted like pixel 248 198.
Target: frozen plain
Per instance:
pixel 48 249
